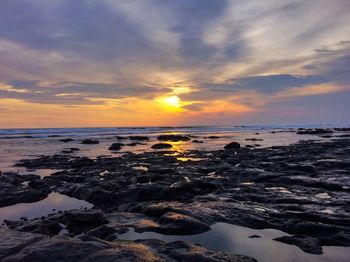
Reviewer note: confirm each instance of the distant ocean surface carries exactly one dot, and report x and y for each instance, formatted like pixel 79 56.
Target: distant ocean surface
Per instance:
pixel 105 131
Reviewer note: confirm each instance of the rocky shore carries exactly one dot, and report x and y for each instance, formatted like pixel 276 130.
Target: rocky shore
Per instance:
pixel 301 189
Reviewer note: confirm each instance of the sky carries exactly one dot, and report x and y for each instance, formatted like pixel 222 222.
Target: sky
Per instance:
pixel 84 63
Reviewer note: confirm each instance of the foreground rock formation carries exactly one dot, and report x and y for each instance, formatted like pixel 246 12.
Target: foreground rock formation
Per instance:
pixel 302 189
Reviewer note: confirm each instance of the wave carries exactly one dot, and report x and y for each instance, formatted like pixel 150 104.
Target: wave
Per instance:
pixel 110 131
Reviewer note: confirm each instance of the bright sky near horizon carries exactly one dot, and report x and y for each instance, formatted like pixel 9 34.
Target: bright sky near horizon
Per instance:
pixel 67 63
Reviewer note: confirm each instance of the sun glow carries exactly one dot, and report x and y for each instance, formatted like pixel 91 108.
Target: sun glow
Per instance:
pixel 173 101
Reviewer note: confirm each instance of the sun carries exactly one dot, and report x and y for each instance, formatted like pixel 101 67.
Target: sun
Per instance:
pixel 173 101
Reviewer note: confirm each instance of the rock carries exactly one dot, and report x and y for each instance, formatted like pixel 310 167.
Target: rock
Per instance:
pixel 316 131
pixel 121 137
pixel 161 146
pixel 213 137
pixel 232 145
pixel 179 224
pixel 103 232
pixel 12 242
pixel 90 142
pixel 116 146
pixel 182 251
pixel 197 141
pixel 173 138
pixel 28 247
pixel 66 140
pixel 139 138
pixel 57 250
pixel 12 191
pixel 254 139
pixel 126 251
pixel 254 236
pixel 307 244
pixel 75 221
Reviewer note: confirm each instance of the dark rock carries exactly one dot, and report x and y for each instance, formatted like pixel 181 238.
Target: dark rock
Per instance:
pixel 173 138
pixel 66 140
pixel 254 236
pixel 316 131
pixel 161 146
pixel 232 145
pixel 14 241
pixel 139 138
pixel 121 137
pixel 76 222
pixel 116 146
pixel 12 191
pixel 182 251
pixel 179 224
pixel 213 137
pixel 90 142
pixel 103 232
pixel 254 139
pixel 307 244
pixel 197 141
pixel 57 250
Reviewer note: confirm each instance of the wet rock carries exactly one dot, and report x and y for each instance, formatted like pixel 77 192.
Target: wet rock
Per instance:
pixel 254 236
pixel 139 138
pixel 75 221
pixel 307 244
pixel 121 137
pixel 103 232
pixel 57 250
pixel 126 251
pixel 232 145
pixel 12 242
pixel 316 131
pixel 213 137
pixel 90 142
pixel 116 146
pixel 254 139
pixel 173 138
pixel 179 224
pixel 182 251
pixel 12 191
pixel 161 146
pixel 66 140
pixel 19 246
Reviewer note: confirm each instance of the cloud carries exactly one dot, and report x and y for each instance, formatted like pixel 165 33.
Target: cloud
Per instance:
pixel 242 53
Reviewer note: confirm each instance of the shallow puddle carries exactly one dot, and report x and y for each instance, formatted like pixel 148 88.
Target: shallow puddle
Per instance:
pixel 235 239
pixel 52 204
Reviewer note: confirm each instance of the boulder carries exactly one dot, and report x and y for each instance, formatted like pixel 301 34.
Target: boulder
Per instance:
pixel 232 145
pixel 116 146
pixel 161 146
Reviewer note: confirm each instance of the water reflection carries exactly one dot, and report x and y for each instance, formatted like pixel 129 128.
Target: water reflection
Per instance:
pixel 53 203
pixel 235 239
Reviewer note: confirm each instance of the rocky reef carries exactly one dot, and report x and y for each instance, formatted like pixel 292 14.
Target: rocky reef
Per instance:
pixel 301 189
